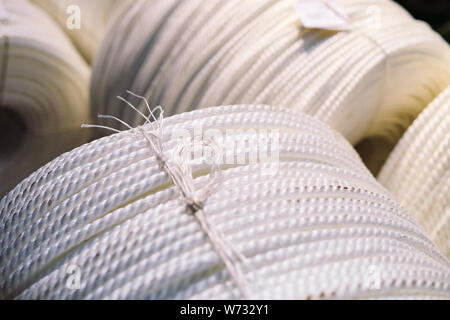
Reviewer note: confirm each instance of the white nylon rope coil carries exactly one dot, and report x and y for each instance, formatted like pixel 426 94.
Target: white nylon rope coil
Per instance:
pixel 94 18
pixel 320 227
pixel 418 170
pixel 371 80
pixel 44 83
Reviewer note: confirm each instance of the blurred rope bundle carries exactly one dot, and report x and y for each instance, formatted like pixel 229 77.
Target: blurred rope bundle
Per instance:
pixel 43 92
pixel 418 171
pixel 93 18
pixel 369 81
pixel 321 227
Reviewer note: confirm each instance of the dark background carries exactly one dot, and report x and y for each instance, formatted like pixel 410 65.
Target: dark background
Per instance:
pixel 435 12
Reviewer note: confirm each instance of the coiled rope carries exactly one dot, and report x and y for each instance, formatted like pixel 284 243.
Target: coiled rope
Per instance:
pixel 320 226
pixel 371 80
pixel 93 16
pixel 418 170
pixel 43 92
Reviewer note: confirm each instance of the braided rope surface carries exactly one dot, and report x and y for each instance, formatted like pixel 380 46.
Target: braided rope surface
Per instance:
pixel 44 83
pixel 418 170
pixel 320 227
pixel 372 80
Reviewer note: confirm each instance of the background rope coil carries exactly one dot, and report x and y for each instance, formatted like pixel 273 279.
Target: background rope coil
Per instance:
pixel 418 170
pixel 320 227
pixel 94 19
pixel 370 81
pixel 43 92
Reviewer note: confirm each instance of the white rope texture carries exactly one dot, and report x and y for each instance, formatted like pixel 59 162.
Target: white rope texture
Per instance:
pixel 371 80
pixel 418 171
pixel 320 227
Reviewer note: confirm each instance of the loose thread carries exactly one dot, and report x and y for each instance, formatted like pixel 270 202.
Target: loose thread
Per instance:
pixel 194 206
pixel 181 174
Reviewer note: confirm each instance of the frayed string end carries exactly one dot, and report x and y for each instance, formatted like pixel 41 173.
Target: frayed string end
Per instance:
pixel 180 173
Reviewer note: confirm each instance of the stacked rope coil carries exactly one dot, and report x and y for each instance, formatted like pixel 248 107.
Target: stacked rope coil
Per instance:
pixel 418 171
pixel 93 18
pixel 371 80
pixel 319 227
pixel 43 92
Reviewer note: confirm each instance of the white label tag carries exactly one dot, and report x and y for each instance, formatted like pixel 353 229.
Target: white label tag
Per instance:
pixel 325 14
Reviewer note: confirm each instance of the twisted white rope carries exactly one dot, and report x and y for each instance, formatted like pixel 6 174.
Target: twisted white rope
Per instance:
pixel 321 227
pixel 370 80
pixel 181 174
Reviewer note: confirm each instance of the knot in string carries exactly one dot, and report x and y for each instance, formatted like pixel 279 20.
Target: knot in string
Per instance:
pixel 179 169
